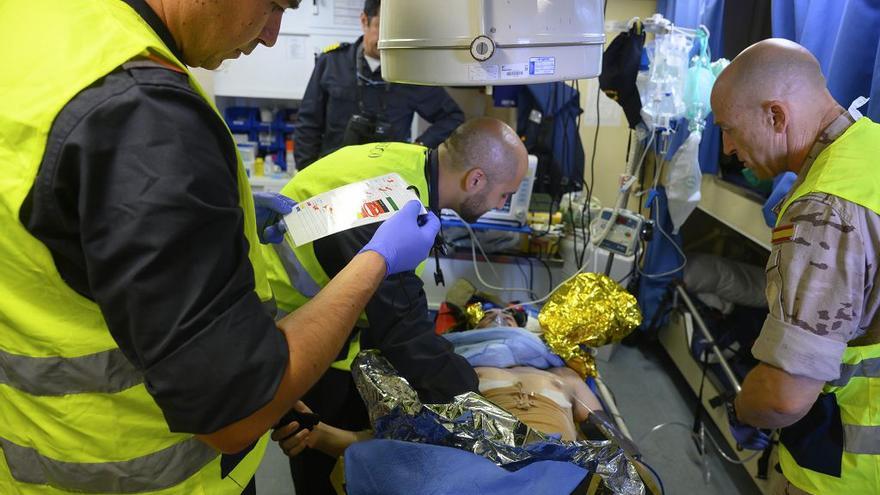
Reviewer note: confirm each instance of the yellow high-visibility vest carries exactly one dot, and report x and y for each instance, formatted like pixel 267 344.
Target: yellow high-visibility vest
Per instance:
pixel 75 415
pixel 847 168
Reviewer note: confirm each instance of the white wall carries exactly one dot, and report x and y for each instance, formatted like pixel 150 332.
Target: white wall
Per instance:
pixel 206 79
pixel 613 130
pixel 283 71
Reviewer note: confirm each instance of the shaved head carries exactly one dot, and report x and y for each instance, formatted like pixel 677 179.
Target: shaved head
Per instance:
pixel 771 69
pixel 488 143
pixel 771 104
pixel 487 160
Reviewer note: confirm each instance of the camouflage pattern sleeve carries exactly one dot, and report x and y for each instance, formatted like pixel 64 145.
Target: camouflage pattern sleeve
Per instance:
pixel 816 287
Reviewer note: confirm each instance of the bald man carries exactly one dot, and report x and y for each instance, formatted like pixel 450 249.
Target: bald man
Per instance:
pixel 476 169
pixel 820 345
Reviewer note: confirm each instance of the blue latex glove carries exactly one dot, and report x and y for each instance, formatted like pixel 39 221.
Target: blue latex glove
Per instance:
pixel 402 241
pixel 747 437
pixel 781 185
pixel 270 208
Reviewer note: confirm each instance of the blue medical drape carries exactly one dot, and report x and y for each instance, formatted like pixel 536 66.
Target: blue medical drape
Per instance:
pixel 845 36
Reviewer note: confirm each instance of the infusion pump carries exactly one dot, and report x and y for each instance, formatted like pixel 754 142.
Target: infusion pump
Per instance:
pixel 623 236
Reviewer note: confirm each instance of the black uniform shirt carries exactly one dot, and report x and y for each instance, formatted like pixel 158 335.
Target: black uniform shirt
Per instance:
pixel 331 98
pixel 136 198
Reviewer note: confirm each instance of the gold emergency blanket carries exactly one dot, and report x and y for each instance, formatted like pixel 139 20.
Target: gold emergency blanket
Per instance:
pixel 589 310
pixel 475 314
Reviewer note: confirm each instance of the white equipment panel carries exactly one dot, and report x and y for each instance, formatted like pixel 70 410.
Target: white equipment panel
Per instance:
pixel 624 234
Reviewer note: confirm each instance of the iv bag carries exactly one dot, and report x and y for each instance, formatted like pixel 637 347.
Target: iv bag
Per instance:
pixel 663 95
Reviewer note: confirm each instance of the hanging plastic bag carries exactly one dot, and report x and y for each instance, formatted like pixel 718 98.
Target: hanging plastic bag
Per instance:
pixel 683 181
pixel 698 88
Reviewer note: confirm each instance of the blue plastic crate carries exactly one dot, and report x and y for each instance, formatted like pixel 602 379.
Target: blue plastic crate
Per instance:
pixel 242 120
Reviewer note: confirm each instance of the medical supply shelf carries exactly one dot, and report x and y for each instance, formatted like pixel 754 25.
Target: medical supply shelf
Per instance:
pixel 246 121
pixel 736 208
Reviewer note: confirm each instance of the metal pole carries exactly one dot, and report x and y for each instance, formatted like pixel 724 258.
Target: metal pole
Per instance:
pixel 708 336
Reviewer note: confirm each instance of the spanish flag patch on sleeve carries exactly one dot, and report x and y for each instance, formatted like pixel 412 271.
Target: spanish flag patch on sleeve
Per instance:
pixel 783 233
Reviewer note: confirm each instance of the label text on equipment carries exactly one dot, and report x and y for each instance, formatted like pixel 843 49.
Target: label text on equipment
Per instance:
pixel 542 66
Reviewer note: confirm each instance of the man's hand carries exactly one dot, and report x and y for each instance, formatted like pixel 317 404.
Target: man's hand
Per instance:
pixel 323 437
pixel 291 438
pixel 404 240
pixel 747 437
pixel 270 208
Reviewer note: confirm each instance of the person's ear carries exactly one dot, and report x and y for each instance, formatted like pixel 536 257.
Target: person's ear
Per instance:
pixel 475 180
pixel 777 115
pixel 365 22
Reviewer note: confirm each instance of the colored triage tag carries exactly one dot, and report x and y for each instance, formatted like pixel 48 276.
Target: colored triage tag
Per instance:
pixel 783 233
pixel 352 205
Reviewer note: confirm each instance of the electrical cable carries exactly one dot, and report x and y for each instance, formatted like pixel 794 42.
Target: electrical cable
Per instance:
pixel 585 226
pixel 574 234
pixel 552 98
pixel 657 225
pixel 542 299
pixel 475 243
pixel 693 434
pixel 622 193
pixel 632 270
pixel 527 277
pixel 531 277
pixel 585 231
pixel 675 245
pixel 549 272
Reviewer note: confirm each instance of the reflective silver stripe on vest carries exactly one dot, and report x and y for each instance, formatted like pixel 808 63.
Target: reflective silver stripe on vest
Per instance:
pixel 163 469
pixel 858 439
pixel 301 280
pixel 103 372
pixel 867 368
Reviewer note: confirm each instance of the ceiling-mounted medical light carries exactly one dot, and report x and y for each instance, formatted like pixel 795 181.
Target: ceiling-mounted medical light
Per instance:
pixel 490 42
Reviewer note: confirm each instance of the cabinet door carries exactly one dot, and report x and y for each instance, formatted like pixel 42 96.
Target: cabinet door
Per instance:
pixel 283 71
pixel 329 15
pixel 278 72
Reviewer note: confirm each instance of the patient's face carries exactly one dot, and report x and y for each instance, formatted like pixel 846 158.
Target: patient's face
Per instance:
pixel 496 318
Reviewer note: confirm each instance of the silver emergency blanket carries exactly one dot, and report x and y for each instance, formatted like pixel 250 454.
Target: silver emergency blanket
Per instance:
pixel 473 423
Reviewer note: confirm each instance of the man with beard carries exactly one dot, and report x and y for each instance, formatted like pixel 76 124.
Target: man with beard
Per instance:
pixel 476 169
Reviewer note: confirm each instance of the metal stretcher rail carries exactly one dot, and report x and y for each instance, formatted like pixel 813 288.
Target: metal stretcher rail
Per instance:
pixel 680 292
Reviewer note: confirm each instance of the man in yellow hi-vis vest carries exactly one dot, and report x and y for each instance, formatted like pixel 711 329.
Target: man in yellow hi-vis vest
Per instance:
pixel 137 339
pixel 479 166
pixel 820 345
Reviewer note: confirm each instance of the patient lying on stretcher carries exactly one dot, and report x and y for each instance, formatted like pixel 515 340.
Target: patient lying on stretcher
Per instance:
pixel 552 401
